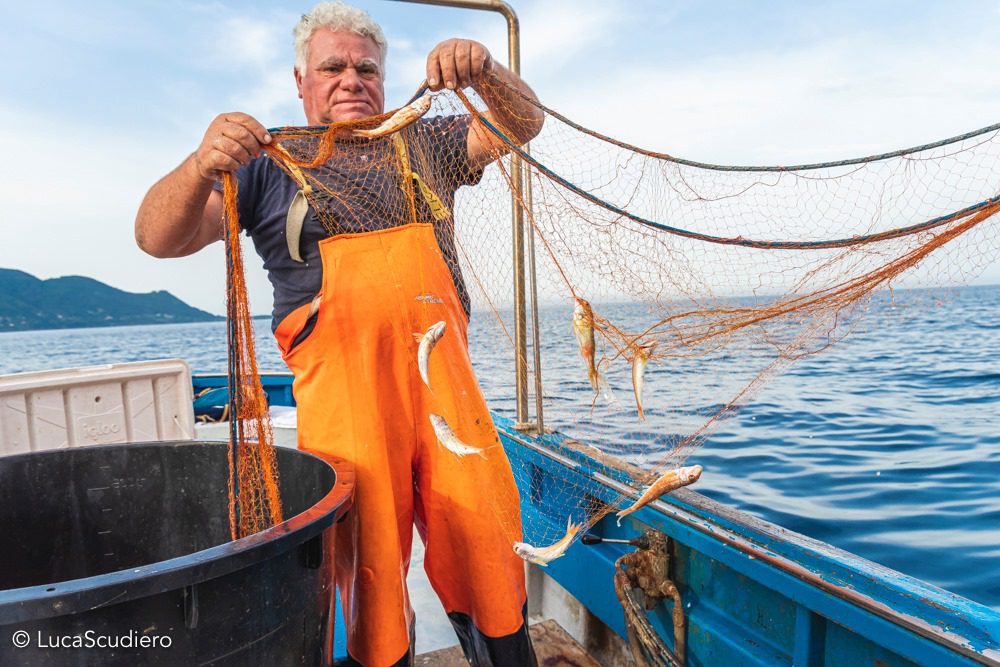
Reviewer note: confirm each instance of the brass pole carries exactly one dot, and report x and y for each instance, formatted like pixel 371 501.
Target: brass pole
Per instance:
pixel 517 215
pixel 536 347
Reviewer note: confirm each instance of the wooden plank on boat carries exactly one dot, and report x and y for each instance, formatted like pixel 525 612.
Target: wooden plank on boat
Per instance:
pixel 553 646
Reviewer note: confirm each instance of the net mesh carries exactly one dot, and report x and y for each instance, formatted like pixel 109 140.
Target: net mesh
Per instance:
pixel 254 500
pixel 661 262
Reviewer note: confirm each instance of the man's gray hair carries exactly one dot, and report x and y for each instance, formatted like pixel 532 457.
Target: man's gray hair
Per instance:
pixel 336 16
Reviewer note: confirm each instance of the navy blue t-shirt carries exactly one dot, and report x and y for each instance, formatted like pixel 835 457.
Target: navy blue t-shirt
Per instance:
pixel 371 198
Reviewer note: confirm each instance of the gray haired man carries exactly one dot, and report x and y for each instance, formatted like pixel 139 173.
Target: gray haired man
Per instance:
pixel 402 478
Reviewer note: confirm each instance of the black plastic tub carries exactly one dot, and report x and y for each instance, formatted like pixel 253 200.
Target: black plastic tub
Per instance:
pixel 121 555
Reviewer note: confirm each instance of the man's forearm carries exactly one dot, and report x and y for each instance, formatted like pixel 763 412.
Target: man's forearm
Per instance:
pixel 512 110
pixel 169 221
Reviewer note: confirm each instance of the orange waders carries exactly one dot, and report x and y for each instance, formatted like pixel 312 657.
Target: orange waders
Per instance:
pixel 360 396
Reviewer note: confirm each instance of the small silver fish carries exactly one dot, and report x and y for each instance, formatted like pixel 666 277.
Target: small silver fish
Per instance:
pixel 545 555
pixel 427 342
pixel 397 121
pixel 450 441
pixel 639 362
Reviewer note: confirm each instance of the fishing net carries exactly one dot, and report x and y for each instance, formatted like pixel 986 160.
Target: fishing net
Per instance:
pixel 254 501
pixel 667 263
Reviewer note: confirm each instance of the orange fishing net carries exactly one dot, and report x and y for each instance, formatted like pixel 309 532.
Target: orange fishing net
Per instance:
pixel 757 265
pixel 254 502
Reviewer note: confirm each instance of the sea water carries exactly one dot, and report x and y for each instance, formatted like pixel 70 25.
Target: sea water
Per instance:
pixel 886 445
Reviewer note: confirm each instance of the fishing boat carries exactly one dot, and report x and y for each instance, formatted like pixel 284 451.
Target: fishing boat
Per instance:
pixel 683 580
pixel 689 581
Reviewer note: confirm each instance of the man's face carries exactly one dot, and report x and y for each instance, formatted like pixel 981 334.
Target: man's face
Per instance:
pixel 342 79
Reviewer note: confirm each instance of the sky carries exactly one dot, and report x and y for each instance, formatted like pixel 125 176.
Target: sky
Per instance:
pixel 98 100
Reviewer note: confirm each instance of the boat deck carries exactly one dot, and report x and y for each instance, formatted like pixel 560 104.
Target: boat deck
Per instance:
pixel 553 646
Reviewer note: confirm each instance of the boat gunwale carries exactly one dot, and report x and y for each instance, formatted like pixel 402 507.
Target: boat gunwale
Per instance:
pixel 767 543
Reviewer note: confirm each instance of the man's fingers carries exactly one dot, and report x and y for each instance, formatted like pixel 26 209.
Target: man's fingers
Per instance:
pixel 259 131
pixel 222 162
pixel 463 64
pixel 211 162
pixel 434 81
pixel 251 124
pixel 482 62
pixel 235 149
pixel 446 60
pixel 242 136
pixel 457 63
pixel 231 141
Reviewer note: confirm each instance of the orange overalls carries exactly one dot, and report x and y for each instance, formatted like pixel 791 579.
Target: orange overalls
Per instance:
pixel 360 396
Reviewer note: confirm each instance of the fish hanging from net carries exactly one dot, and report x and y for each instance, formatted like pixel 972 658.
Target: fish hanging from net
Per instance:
pixel 646 261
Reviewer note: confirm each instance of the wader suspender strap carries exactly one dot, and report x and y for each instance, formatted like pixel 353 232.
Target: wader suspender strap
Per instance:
pixel 438 210
pixel 406 182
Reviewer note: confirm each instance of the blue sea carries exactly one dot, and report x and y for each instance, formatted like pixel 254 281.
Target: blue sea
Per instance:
pixel 886 445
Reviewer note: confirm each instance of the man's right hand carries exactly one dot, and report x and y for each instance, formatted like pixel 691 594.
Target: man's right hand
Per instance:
pixel 182 212
pixel 231 141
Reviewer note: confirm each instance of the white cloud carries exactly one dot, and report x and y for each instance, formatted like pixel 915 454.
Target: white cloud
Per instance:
pixel 273 100
pixel 78 24
pixel 557 33
pixel 553 34
pixel 255 53
pixel 253 42
pixel 825 101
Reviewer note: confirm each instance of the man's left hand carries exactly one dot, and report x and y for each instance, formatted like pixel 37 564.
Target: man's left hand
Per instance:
pixel 457 63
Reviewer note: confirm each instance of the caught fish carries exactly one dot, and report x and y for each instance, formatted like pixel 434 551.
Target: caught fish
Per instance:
pixel 639 362
pixel 583 327
pixel 667 482
pixel 450 441
pixel 397 121
pixel 545 555
pixel 427 342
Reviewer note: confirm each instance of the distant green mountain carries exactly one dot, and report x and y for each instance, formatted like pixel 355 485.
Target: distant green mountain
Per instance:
pixel 74 301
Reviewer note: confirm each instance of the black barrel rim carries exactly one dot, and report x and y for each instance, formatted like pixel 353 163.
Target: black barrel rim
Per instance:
pixel 19 605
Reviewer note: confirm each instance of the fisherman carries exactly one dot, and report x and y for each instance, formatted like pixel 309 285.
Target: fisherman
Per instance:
pixel 340 303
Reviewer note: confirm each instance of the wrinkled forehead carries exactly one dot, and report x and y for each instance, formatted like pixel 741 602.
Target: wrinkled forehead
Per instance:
pixel 343 48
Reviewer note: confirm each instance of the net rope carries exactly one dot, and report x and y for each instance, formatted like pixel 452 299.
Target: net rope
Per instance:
pixel 254 499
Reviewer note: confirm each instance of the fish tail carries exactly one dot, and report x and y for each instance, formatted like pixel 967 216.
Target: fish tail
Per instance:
pixel 602 386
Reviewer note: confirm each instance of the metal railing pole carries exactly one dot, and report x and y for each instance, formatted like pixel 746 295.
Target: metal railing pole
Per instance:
pixel 517 224
pixel 536 347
